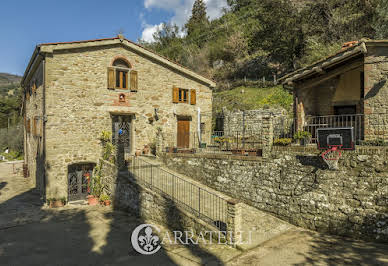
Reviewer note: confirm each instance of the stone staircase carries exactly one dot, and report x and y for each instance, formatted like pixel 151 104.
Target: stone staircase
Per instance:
pixel 256 226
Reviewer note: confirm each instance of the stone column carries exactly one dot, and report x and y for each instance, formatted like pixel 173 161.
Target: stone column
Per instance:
pixel 231 221
pixel 159 143
pixel 267 136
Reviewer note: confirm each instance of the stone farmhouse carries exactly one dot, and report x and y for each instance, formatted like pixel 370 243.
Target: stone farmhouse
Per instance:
pixel 75 90
pixel 348 88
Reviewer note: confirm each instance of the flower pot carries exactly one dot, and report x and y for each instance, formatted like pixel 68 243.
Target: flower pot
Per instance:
pixel 92 200
pixel 146 150
pixel 137 153
pixel 106 202
pixel 56 204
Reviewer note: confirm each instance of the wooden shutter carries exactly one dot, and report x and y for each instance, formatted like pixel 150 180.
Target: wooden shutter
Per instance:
pixel 41 128
pixel 28 126
pixel 34 125
pixel 111 78
pixel 175 94
pixel 133 80
pixel 193 96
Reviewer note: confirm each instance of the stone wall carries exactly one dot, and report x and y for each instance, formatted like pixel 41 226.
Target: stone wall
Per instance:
pixel 79 106
pixel 251 120
pixel 296 186
pixel 376 92
pixel 135 198
pixel 33 143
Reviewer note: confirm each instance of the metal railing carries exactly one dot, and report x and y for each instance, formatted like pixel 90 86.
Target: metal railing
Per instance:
pixel 206 205
pixel 237 140
pixel 368 129
pixel 356 121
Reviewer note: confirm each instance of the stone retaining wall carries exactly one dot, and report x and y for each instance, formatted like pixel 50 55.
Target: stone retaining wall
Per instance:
pixel 251 120
pixel 139 200
pixel 296 186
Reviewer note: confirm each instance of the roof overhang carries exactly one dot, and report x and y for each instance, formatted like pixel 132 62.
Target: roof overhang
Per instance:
pixel 49 48
pixel 320 67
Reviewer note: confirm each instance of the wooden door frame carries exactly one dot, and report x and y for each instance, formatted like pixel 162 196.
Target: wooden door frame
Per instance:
pixel 132 136
pixel 183 118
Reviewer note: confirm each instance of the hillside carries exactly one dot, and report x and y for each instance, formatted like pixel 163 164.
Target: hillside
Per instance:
pixel 9 85
pixel 263 40
pixel 250 98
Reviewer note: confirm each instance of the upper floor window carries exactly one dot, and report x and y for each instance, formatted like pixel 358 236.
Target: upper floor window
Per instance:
pixel 121 69
pixel 180 95
pixel 183 95
pixel 120 76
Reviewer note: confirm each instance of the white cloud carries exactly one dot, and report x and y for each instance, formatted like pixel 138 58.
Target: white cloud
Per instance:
pixel 148 31
pixel 181 10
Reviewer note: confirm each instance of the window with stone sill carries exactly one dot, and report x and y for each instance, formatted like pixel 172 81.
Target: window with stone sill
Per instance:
pixel 120 76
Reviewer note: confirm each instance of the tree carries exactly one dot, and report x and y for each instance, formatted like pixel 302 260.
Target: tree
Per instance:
pixel 381 21
pixel 198 18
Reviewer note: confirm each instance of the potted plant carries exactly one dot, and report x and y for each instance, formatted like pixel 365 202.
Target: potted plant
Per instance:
pixel 105 200
pixel 96 187
pixel 303 137
pixel 55 203
pixel 146 149
pixel 92 200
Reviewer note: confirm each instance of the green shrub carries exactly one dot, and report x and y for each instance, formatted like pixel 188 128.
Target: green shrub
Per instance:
pixel 282 142
pixel 104 197
pixel 302 135
pixel 105 135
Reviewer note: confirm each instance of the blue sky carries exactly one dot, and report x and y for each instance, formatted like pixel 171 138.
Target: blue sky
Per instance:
pixel 24 24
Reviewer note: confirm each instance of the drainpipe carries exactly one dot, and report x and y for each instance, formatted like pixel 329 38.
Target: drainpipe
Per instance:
pixel 199 126
pixel 44 120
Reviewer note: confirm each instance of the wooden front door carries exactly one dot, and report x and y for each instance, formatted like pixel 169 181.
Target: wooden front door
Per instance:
pixel 183 135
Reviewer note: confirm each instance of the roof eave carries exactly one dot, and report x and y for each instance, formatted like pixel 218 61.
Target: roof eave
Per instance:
pixel 320 66
pixel 30 64
pixel 50 47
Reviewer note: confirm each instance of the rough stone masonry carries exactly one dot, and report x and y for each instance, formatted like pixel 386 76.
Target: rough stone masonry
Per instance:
pixel 68 103
pixel 298 187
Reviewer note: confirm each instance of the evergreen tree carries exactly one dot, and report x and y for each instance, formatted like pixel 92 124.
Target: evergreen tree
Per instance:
pixel 380 24
pixel 198 17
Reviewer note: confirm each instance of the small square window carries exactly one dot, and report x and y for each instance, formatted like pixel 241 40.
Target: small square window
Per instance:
pixel 121 79
pixel 183 96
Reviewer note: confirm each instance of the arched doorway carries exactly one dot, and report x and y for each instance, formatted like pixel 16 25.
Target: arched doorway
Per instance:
pixel 79 176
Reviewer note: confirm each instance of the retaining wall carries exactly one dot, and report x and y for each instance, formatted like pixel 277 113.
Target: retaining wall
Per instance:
pixel 141 201
pixel 296 186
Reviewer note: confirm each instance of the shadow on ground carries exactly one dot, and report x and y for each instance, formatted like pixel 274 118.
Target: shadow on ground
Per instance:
pixel 32 234
pixel 332 250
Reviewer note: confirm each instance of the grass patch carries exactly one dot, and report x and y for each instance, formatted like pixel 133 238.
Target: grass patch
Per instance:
pixel 253 98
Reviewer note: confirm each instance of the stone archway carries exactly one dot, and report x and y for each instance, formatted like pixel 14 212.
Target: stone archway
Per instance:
pixel 79 176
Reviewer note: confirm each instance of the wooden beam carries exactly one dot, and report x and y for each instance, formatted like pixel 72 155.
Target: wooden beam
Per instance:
pixel 330 74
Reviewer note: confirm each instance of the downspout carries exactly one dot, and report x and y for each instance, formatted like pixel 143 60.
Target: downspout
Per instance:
pixel 44 120
pixel 199 126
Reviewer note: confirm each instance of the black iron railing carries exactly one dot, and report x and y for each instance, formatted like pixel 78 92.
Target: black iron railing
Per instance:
pixel 207 205
pixel 356 121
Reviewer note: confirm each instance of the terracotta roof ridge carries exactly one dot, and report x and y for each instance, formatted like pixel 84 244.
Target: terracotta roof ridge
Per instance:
pixel 134 43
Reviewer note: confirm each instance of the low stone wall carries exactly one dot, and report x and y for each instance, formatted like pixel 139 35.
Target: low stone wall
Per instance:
pixel 137 199
pixel 251 120
pixel 296 186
